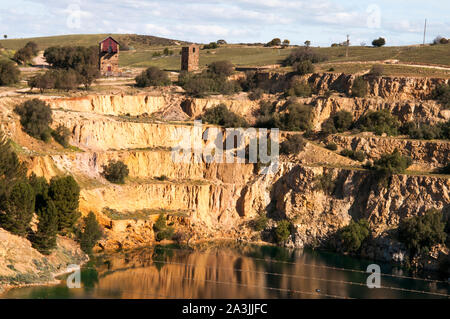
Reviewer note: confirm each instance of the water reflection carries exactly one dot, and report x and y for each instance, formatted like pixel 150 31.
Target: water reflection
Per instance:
pixel 229 271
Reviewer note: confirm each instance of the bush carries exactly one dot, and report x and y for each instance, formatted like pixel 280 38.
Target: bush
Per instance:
pixel 65 194
pixel 160 223
pixel 359 156
pixel 293 144
pixel 256 94
pixel 56 79
pixel 25 54
pixel 161 229
pixel 298 118
pixel 260 222
pixel 221 68
pixel 153 76
pixel 220 115
pixel 442 94
pixel 44 240
pixel 16 208
pixel 167 233
pixel 377 70
pixel 304 67
pixel 420 233
pixel 331 146
pixel 390 164
pixel 9 73
pixel 62 135
pixel 35 117
pixel 325 183
pixel 210 46
pixel 353 235
pixel 359 87
pixel 282 231
pixel 301 89
pixel 11 168
pixel 115 172
pixel 303 54
pixel 43 81
pixel 379 122
pixel 199 85
pixel 90 234
pixel 340 122
pixel 379 42
pixel 423 131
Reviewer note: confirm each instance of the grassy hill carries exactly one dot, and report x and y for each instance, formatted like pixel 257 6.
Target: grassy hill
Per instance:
pixel 134 40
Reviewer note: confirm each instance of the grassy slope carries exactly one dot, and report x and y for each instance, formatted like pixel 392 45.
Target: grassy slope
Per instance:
pixel 240 55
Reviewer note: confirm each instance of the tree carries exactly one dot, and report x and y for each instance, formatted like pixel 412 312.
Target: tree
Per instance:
pixel 35 118
pixel 282 231
pixel 293 144
pixel 221 42
pixel 304 67
pixel 62 135
pixel 65 194
pixel 5 36
pixel 286 43
pixel 260 222
pixel 303 54
pixel 420 233
pixel 220 115
pixel 339 122
pixel 221 68
pixel 115 172
pixel 353 235
pixel 43 81
pixel 44 239
pixel 16 208
pixel 9 73
pixel 307 43
pixel 90 234
pixel 379 122
pixel 11 168
pixel 379 42
pixel 359 87
pixel 302 89
pixel 390 164
pixel 153 76
pixel 274 42
pixel 25 54
pixel 211 46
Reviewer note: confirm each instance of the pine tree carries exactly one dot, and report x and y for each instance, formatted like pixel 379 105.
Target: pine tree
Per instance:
pixel 91 234
pixel 44 239
pixel 16 208
pixel 65 194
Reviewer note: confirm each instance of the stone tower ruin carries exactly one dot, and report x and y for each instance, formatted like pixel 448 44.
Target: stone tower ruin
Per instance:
pixel 190 57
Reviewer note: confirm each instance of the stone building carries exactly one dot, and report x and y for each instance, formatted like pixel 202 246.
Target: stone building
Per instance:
pixel 109 57
pixel 190 57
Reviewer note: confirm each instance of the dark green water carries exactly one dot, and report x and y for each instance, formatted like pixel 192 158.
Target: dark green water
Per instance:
pixel 233 271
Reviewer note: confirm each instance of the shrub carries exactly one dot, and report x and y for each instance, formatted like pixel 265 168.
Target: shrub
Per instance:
pixel 298 118
pixel 220 115
pixel 152 76
pixel 165 234
pixel 35 117
pixel 340 122
pixel 303 54
pixel 282 231
pixel 160 223
pixel 304 67
pixel 10 166
pixel 379 122
pixel 293 144
pixel 65 194
pixel 162 178
pixel 62 135
pixel 379 42
pixel 9 73
pixel 390 164
pixel 115 172
pixel 16 208
pixel 420 233
pixel 25 54
pixel 67 79
pixel 442 94
pixel 359 87
pixel 325 183
pixel 199 85
pixel 353 235
pixel 424 131
pixel 331 146
pixel 221 68
pixel 43 81
pixel 260 222
pixel 377 70
pixel 301 89
pixel 44 240
pixel 90 234
pixel 359 156
pixel 210 46
pixel 256 94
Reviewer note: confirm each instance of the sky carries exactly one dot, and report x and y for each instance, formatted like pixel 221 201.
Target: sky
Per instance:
pixel 322 22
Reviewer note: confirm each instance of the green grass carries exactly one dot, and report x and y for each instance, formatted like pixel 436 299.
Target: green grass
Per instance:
pixel 86 40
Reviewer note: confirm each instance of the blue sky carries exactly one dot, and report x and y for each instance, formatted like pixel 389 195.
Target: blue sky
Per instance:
pixel 320 21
